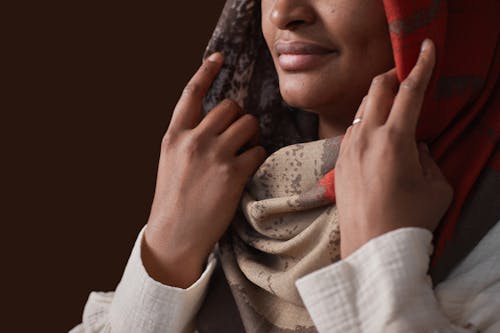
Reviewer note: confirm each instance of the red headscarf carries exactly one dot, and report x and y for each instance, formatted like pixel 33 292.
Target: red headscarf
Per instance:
pixel 460 119
pixel 461 114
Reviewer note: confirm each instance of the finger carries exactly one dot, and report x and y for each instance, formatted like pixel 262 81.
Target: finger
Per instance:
pixel 251 159
pixel 187 112
pixel 440 187
pixel 220 117
pixel 380 98
pixel 345 141
pixel 357 117
pixel 254 141
pixel 343 144
pixel 361 109
pixel 408 102
pixel 239 133
pixel 349 131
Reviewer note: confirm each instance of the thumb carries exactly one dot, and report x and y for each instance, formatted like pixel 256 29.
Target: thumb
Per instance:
pixel 430 169
pixel 441 188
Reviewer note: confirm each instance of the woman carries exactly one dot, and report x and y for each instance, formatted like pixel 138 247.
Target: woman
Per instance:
pixel 305 253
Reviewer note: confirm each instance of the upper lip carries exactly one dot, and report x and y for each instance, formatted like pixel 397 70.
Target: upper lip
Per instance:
pixel 300 47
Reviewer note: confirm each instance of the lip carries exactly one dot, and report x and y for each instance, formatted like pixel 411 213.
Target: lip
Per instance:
pixel 300 55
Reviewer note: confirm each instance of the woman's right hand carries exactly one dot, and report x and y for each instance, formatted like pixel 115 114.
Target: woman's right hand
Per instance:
pixel 199 182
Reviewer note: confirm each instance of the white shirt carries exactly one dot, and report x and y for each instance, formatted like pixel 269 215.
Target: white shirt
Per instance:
pixel 382 287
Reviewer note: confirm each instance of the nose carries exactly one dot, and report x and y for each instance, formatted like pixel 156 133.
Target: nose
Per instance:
pixel 288 14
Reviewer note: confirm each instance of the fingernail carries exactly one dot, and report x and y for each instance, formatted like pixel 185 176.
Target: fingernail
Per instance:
pixel 216 57
pixel 425 45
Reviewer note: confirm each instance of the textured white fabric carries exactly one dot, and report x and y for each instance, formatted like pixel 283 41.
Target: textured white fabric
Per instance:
pixel 382 287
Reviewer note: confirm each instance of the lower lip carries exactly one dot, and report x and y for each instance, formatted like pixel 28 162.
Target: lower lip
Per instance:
pixel 301 62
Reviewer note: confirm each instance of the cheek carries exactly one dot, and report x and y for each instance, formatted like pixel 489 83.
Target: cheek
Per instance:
pixel 364 40
pixel 359 26
pixel 266 25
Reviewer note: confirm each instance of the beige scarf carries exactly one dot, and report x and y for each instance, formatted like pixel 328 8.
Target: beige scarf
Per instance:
pixel 284 230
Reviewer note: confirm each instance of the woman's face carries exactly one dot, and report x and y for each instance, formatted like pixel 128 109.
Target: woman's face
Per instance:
pixel 354 46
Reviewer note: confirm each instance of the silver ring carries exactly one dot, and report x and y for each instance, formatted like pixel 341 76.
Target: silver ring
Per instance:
pixel 357 120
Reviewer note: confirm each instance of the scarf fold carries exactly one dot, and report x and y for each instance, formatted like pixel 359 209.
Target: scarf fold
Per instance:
pixel 287 224
pixel 284 230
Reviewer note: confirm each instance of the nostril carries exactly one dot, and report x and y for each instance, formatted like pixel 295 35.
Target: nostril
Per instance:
pixel 294 24
pixel 291 14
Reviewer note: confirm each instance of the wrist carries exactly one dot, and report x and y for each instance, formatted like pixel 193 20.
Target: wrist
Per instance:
pixel 174 268
pixel 357 235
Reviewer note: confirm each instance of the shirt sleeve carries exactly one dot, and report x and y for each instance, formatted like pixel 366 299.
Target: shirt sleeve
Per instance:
pixel 384 287
pixel 142 304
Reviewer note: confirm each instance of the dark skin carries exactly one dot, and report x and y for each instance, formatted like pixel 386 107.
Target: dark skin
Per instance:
pixel 197 157
pixel 383 180
pixel 356 29
pixel 381 173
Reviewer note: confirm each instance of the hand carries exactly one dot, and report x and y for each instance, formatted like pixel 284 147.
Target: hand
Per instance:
pixel 200 181
pixel 383 180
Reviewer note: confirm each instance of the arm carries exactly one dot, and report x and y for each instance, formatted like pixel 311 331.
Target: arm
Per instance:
pixel 201 176
pixel 381 175
pixel 142 304
pixel 384 287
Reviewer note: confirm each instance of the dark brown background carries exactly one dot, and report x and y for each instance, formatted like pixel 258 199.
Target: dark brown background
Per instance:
pixel 91 87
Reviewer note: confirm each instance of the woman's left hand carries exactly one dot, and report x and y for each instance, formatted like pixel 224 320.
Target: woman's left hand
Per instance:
pixel 383 179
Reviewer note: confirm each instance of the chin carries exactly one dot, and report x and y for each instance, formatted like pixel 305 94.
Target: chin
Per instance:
pixel 306 95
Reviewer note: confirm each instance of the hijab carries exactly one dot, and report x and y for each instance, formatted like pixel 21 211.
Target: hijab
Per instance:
pixel 460 121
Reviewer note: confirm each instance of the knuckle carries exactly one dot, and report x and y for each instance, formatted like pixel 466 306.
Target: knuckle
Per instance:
pixel 250 121
pixel 193 144
pixel 227 171
pixel 381 79
pixel 393 134
pixel 168 140
pixel 359 145
pixel 392 141
pixel 192 89
pixel 363 101
pixel 231 105
pixel 347 133
pixel 259 154
pixel 412 85
pixel 209 67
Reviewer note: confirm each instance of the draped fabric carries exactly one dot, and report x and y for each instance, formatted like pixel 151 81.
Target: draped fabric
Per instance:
pixel 261 253
pixel 461 115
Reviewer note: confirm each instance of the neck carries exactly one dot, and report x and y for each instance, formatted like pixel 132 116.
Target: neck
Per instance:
pixel 330 126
